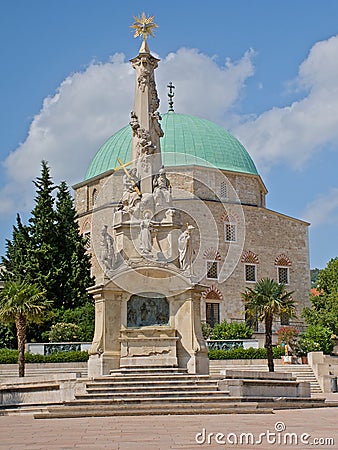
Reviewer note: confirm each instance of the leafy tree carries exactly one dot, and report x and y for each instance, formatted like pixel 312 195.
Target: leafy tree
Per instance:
pixel 73 263
pixel 21 302
pixel 324 307
pixel 327 280
pixel 232 330
pixel 314 275
pixel 315 338
pixel 266 300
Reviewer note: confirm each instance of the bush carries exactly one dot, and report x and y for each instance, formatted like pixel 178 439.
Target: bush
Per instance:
pixel 287 335
pixel 206 330
pixel 316 338
pixel 232 330
pixel 8 356
pixel 64 332
pixel 241 353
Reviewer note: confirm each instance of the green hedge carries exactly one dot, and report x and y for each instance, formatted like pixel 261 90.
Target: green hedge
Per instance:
pixel 241 353
pixel 11 357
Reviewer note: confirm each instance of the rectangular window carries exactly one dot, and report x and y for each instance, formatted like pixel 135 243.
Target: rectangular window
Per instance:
pixel 284 319
pixel 283 275
pixel 212 313
pixel 251 321
pixel 250 273
pixel 230 232
pixel 212 270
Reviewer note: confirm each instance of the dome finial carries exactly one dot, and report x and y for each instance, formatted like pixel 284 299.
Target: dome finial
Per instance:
pixel 171 96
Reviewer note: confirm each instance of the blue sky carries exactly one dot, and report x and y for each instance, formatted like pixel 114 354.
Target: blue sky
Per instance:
pixel 265 70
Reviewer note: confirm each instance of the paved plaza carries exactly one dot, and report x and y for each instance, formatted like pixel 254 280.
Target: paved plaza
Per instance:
pixel 299 429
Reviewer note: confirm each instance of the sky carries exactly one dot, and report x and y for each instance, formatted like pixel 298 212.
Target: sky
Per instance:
pixel 265 70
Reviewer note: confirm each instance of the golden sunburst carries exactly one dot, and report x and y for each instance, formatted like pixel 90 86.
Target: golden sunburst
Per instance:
pixel 144 26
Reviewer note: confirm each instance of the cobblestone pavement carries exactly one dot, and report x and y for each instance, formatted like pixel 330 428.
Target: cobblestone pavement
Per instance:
pixel 310 428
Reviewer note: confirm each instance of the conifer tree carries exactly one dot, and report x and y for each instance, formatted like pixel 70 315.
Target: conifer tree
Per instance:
pixel 17 258
pixel 73 262
pixel 43 235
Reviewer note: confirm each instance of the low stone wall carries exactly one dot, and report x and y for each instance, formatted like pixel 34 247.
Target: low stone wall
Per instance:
pixel 325 368
pixel 241 383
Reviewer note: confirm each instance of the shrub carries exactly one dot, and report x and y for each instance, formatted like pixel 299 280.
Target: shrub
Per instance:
pixel 206 330
pixel 64 332
pixel 241 353
pixel 8 356
pixel 232 330
pixel 287 335
pixel 315 338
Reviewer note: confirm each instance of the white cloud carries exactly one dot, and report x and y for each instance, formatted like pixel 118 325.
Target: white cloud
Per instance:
pixel 323 210
pixel 90 106
pixel 293 133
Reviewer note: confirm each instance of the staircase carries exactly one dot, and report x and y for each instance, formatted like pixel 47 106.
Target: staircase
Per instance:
pixel 149 391
pixel 302 372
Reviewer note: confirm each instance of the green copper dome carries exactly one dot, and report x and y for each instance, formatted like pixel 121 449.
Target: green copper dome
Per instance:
pixel 187 140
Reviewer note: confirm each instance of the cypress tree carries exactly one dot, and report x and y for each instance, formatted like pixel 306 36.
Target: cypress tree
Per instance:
pixel 43 235
pixel 73 262
pixel 18 250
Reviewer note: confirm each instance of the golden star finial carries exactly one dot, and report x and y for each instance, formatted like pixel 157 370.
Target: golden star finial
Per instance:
pixel 144 26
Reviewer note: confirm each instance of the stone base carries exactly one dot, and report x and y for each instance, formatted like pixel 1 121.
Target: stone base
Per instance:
pixel 100 365
pixel 148 346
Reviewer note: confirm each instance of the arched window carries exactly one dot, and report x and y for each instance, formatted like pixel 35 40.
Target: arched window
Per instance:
pixel 283 264
pixel 250 261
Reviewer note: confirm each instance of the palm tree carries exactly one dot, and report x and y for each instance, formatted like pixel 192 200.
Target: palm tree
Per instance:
pixel 265 301
pixel 22 302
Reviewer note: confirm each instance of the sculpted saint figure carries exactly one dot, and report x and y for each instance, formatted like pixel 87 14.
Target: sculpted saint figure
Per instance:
pixel 185 249
pixel 162 189
pixel 108 252
pixel 145 234
pixel 130 196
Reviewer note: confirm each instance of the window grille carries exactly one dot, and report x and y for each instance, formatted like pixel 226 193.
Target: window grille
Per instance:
pixel 230 232
pixel 212 270
pixel 250 272
pixel 212 313
pixel 283 275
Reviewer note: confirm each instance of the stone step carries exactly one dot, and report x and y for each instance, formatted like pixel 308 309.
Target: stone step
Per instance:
pixel 152 377
pixel 148 370
pixel 148 383
pixel 152 395
pixel 142 389
pixel 191 408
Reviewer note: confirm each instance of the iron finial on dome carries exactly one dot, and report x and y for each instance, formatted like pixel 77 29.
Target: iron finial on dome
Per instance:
pixel 171 95
pixel 144 26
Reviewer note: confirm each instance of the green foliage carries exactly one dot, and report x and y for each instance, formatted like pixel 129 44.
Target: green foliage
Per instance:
pixel 7 336
pixel 73 262
pixel 232 330
pixel 287 335
pixel 328 278
pixel 206 330
pixel 50 252
pixel 265 301
pixel 8 356
pixel 82 316
pixel 324 307
pixel 315 338
pixel 22 299
pixel 241 353
pixel 17 258
pixel 64 332
pixel 314 276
